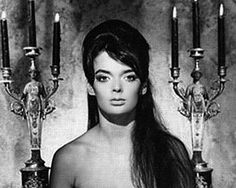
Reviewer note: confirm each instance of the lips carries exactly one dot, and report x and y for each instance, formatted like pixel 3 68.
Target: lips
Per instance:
pixel 117 101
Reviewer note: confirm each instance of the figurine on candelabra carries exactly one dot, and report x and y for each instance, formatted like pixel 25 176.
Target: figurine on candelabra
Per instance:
pixel 36 108
pixel 32 97
pixel 196 96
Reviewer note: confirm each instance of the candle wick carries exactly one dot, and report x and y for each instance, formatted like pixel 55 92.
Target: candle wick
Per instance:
pixel 174 12
pixel 221 9
pixel 57 17
pixel 3 17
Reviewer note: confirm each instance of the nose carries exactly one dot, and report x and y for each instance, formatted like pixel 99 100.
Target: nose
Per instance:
pixel 117 86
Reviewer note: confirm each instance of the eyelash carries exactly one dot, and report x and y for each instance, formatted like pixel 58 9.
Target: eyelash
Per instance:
pixel 131 78
pixel 103 78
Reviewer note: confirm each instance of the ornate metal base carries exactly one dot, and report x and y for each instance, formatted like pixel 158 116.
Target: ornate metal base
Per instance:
pixel 202 172
pixel 35 174
pixel 203 176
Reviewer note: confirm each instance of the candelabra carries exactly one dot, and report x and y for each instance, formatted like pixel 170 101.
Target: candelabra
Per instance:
pixel 198 107
pixel 198 104
pixel 34 103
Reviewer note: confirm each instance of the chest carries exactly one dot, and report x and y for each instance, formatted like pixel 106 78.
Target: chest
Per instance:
pixel 105 170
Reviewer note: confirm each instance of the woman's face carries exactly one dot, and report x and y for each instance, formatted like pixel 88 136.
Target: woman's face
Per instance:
pixel 116 86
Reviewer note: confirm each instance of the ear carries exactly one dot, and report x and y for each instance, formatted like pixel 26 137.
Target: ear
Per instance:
pixel 143 89
pixel 90 90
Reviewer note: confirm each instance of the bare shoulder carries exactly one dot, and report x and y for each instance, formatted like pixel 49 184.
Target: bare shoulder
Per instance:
pixel 77 149
pixel 70 160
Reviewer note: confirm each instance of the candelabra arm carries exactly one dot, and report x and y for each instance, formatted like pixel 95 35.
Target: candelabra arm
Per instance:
pixel 179 91
pixel 175 75
pixel 49 105
pixel 220 83
pixel 53 90
pixel 10 91
pixel 6 74
pixel 17 107
pixel 220 89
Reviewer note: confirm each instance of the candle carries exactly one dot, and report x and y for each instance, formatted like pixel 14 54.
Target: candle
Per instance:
pixel 56 41
pixel 32 27
pixel 221 37
pixel 5 46
pixel 174 38
pixel 196 27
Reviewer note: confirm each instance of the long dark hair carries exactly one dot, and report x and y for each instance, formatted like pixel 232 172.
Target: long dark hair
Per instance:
pixel 159 159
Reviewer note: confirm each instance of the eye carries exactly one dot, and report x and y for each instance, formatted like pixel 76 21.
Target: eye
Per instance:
pixel 101 78
pixel 131 77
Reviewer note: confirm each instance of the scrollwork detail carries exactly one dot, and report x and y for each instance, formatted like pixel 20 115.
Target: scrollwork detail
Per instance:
pixel 34 182
pixel 18 108
pixel 200 182
pixel 212 110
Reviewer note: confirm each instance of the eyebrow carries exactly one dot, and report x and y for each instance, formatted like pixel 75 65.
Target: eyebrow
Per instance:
pixel 108 72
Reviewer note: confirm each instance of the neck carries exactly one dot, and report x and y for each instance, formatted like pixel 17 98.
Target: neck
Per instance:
pixel 117 129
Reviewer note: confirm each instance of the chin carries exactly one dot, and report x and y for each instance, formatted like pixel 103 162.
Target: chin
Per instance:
pixel 118 111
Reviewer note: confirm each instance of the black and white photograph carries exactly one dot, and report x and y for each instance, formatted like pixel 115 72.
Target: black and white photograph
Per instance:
pixel 117 94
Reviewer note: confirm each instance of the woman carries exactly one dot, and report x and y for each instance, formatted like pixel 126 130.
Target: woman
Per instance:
pixel 126 145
